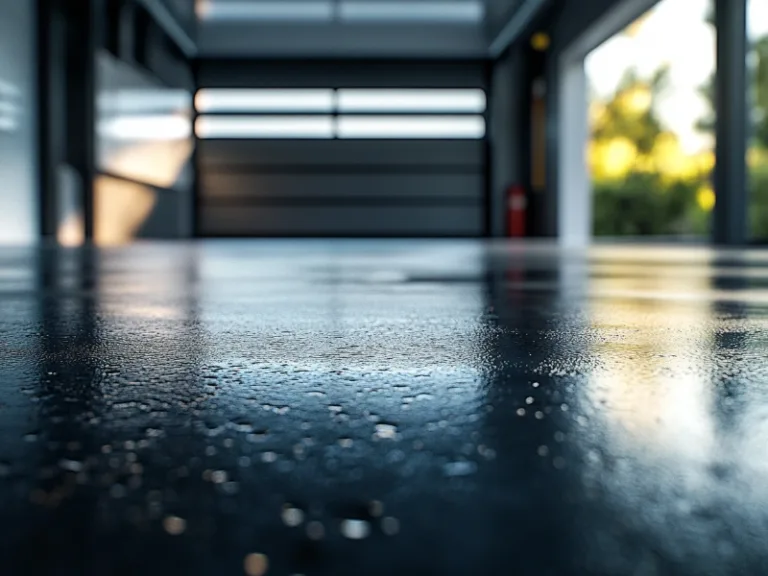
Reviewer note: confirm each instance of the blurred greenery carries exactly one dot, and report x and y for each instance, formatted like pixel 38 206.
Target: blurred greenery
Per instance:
pixel 644 183
pixel 758 208
pixel 643 205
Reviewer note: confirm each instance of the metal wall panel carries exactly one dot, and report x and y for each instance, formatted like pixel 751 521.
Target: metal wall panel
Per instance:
pixel 215 153
pixel 19 217
pixel 360 187
pixel 392 221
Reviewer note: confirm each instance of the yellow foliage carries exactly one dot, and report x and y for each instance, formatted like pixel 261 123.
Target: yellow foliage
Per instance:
pixel 616 157
pixel 757 157
pixel 597 114
pixel 705 198
pixel 671 162
pixel 613 158
pixel 637 99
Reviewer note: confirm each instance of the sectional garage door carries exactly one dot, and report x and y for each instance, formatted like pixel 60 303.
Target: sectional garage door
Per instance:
pixel 330 149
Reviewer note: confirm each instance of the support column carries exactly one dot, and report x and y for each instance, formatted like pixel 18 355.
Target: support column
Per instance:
pixel 505 131
pixel 730 226
pixel 81 43
pixel 574 188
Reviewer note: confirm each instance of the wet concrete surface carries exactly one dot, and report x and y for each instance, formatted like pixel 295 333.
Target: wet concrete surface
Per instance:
pixel 383 407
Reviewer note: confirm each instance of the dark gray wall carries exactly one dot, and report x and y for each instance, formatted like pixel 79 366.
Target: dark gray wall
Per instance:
pixel 19 217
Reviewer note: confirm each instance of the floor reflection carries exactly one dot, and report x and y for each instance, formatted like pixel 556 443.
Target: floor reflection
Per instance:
pixel 374 407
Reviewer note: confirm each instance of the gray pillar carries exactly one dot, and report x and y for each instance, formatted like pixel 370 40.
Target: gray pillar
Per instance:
pixel 83 30
pixel 504 132
pixel 730 218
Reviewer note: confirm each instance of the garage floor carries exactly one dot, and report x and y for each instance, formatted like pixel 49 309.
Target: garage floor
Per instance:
pixel 375 407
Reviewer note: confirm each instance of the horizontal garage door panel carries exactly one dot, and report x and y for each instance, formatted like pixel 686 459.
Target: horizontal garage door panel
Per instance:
pixel 339 182
pixel 226 73
pixel 218 154
pixel 342 221
pixel 249 188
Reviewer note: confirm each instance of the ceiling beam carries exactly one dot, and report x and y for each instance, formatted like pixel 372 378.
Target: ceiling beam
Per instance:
pixel 170 26
pixel 517 24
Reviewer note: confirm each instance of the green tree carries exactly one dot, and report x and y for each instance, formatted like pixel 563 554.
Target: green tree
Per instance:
pixel 758 50
pixel 760 92
pixel 642 202
pixel 641 125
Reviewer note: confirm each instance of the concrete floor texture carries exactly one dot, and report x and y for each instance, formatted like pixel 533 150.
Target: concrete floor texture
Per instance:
pixel 383 407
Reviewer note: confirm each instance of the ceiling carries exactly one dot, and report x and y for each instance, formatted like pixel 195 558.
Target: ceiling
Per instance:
pixel 350 28
pixel 392 12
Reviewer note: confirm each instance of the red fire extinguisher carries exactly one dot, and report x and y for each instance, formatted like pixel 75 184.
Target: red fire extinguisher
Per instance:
pixel 517 204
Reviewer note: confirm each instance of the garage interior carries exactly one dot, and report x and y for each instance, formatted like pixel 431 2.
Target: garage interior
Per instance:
pixel 312 287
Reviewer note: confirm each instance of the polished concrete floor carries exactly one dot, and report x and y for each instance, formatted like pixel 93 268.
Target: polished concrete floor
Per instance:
pixel 375 407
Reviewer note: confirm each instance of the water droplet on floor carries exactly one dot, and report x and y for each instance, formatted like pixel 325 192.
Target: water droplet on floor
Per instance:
pixel 70 465
pixel 390 526
pixel 174 525
pixel 521 411
pixel 529 400
pixel 355 529
pixel 460 468
pixel 292 516
pixel 376 508
pixel 256 564
pixel 386 431
pixel 268 457
pixel 335 408
pixel 543 451
pixel 230 488
pixel 219 476
pixel 346 442
pixel 593 456
pixel 535 384
pixel 539 415
pixel 257 436
pixel 315 530
pixel 117 491
pixel 372 417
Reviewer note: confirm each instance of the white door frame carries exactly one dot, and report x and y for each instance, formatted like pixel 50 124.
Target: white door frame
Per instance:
pixel 574 187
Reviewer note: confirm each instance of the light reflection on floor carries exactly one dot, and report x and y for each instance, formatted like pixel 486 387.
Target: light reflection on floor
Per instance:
pixel 602 412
